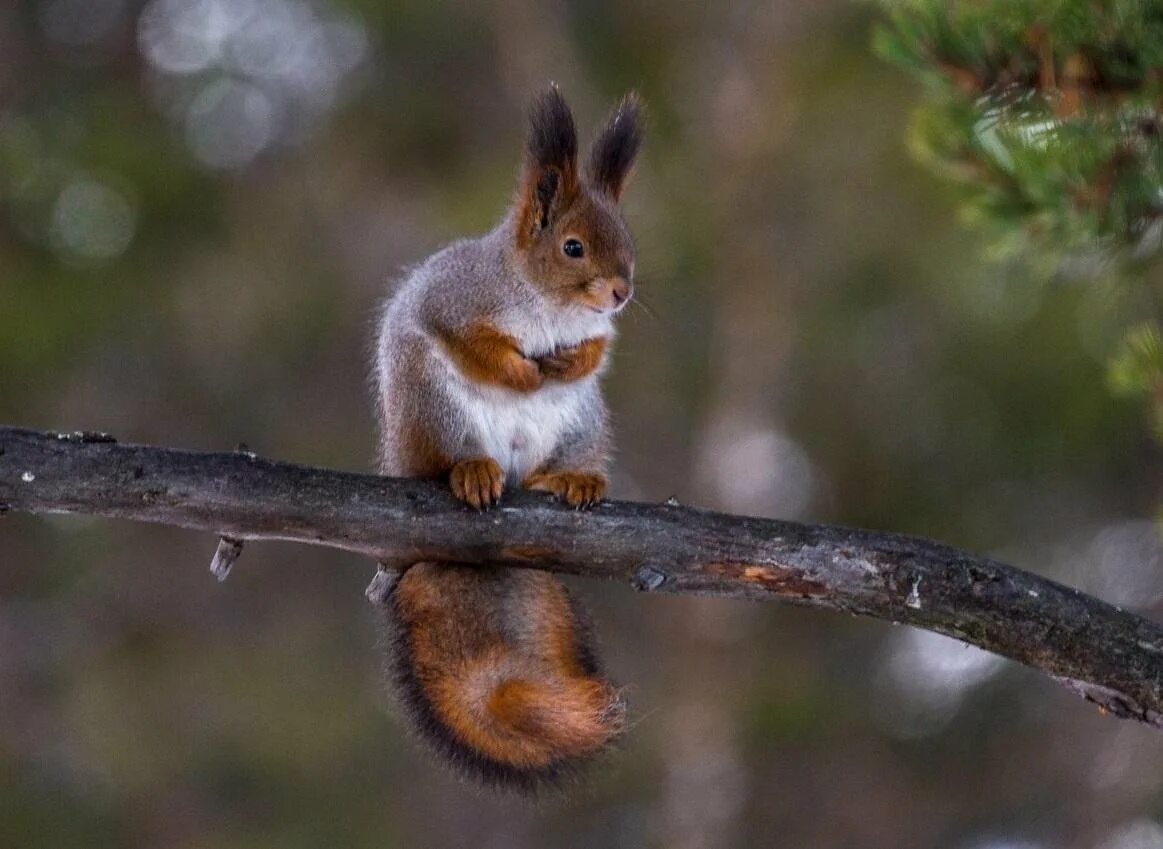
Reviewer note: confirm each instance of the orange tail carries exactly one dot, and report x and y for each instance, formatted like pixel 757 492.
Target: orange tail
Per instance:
pixel 497 669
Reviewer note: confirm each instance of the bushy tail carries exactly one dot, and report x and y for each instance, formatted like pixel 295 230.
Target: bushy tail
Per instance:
pixel 497 668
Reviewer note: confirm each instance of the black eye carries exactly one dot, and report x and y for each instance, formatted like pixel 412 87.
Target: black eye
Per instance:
pixel 573 249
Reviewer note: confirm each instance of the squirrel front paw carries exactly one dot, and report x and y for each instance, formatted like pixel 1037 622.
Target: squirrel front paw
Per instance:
pixel 578 489
pixel 559 364
pixel 573 362
pixel 478 482
pixel 523 374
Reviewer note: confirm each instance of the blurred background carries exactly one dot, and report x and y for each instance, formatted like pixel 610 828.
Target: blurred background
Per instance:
pixel 202 203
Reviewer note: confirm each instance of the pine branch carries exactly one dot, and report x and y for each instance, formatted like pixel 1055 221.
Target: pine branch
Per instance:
pixel 1109 656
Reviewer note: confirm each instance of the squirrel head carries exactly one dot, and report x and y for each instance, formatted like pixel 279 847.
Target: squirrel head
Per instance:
pixel 571 239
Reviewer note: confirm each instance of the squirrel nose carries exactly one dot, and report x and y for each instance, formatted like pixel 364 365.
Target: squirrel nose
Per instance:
pixel 620 290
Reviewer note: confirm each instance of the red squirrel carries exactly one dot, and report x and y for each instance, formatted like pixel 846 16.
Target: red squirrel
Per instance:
pixel 487 368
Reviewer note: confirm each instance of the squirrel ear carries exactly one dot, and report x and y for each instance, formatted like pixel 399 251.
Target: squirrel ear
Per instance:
pixel 550 176
pixel 614 150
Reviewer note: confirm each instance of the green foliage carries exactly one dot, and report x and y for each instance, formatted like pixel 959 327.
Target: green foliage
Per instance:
pixel 1046 116
pixel 1137 369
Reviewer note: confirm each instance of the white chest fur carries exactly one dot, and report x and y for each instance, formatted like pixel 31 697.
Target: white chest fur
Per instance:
pixel 542 331
pixel 519 431
pixel 522 430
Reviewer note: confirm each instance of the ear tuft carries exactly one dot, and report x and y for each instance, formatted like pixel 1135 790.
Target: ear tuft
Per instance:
pixel 616 147
pixel 547 185
pixel 552 134
pixel 549 179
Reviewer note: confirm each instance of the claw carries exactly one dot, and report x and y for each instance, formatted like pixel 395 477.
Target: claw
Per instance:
pixel 580 490
pixel 478 482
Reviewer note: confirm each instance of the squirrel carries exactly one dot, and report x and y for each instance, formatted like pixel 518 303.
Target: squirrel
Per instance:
pixel 486 367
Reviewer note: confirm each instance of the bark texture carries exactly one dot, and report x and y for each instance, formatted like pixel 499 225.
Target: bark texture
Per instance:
pixel 1107 655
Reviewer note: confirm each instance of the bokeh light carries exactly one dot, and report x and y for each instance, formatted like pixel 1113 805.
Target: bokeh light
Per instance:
pixel 91 220
pixel 248 74
pixel 1139 834
pixel 757 469
pixel 927 677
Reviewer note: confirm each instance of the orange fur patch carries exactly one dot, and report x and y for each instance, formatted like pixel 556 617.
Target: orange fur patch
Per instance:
pixel 478 481
pixel 517 696
pixel 422 456
pixel 529 208
pixel 575 488
pixel 485 354
pixel 576 362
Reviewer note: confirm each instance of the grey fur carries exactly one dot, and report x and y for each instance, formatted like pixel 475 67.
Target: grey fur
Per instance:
pixel 418 385
pixel 516 282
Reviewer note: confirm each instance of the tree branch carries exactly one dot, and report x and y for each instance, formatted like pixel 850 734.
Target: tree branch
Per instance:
pixel 1105 654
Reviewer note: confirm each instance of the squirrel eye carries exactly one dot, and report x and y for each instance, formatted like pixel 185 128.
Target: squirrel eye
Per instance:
pixel 573 249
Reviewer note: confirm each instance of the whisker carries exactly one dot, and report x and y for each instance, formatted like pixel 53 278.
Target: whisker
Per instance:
pixel 644 306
